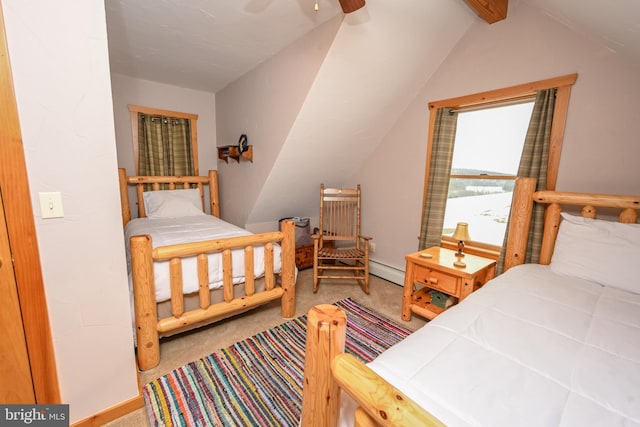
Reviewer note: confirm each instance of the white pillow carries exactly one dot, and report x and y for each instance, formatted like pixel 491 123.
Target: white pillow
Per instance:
pixel 172 203
pixel 601 251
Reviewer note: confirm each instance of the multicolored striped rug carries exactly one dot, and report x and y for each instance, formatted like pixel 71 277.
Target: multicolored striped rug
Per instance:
pixel 258 381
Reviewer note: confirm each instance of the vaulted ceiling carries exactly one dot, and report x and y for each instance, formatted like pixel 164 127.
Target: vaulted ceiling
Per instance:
pixel 211 42
pixel 208 44
pixel 227 38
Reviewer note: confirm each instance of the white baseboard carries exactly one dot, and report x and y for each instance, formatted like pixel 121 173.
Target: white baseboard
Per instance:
pixel 386 272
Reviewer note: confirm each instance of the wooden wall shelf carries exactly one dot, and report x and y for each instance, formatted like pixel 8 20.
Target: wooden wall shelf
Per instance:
pixel 231 151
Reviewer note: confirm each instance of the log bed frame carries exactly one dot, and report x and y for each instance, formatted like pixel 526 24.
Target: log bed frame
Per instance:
pixel 328 370
pixel 150 327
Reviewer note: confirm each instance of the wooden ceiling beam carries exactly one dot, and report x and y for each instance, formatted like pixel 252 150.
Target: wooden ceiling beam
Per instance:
pixel 349 6
pixel 490 10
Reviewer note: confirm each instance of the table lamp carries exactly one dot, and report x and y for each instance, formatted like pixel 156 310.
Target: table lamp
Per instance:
pixel 461 234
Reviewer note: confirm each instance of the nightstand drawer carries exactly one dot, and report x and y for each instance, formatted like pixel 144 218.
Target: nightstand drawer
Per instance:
pixel 437 280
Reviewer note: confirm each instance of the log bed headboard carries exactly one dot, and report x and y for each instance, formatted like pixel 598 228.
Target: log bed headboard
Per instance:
pixel 172 182
pixel 525 196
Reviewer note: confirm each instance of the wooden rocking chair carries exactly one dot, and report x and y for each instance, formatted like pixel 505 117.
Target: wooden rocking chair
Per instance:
pixel 347 249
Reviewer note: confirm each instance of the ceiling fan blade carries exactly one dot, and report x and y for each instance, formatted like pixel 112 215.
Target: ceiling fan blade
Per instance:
pixel 349 6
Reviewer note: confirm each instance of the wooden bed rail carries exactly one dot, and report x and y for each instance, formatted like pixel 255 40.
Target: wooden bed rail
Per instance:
pixel 328 370
pixel 380 403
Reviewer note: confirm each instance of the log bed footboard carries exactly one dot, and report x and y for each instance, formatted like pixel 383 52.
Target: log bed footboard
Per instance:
pixel 150 328
pixel 328 371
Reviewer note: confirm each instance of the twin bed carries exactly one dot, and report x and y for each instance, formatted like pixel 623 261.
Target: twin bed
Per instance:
pixel 549 344
pixel 188 268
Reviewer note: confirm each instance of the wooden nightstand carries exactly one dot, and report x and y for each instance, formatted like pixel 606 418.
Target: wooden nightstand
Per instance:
pixel 304 256
pixel 439 273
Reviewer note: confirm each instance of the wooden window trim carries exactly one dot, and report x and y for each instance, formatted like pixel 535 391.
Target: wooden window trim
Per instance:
pixel 474 248
pixel 504 177
pixel 563 85
pixel 193 128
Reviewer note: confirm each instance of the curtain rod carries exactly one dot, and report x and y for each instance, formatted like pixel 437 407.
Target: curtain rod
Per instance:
pixel 495 104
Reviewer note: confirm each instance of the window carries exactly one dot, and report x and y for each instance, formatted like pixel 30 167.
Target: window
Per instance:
pixel 468 177
pixel 164 142
pixel 485 162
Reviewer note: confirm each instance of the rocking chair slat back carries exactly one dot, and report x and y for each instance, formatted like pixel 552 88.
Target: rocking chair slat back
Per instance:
pixel 340 213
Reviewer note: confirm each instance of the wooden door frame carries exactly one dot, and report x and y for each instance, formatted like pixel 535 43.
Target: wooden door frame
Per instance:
pixel 22 238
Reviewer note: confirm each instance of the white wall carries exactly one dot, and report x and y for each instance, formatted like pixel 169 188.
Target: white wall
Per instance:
pixel 263 104
pixel 600 148
pixel 380 58
pixel 131 91
pixel 59 59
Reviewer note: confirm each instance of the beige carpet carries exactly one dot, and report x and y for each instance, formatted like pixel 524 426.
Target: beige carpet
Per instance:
pixel 385 297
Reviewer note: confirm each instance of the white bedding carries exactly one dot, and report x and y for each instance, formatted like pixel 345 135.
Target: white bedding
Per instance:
pixel 531 348
pixel 169 231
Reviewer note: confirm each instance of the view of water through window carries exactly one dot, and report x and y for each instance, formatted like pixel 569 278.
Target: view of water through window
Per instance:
pixel 488 142
pixel 487 215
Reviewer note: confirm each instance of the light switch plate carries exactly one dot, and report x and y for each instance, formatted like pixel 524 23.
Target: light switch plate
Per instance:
pixel 51 205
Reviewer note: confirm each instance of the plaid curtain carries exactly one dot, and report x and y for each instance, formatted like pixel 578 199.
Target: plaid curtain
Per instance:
pixel 164 146
pixel 435 203
pixel 533 164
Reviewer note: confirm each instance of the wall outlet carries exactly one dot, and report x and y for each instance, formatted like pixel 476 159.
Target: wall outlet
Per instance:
pixel 372 247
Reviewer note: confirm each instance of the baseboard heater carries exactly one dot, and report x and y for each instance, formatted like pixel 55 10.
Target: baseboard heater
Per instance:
pixel 386 272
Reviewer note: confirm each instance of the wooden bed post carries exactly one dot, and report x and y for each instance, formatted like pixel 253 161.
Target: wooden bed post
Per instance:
pixel 124 196
pixel 214 195
pixel 551 227
pixel 147 338
pixel 288 301
pixel 326 335
pixel 519 222
pixel 328 371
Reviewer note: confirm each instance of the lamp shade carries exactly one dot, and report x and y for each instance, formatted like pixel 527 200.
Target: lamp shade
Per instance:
pixel 462 232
